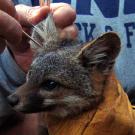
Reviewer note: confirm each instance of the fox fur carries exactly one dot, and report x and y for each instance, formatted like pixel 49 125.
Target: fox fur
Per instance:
pixel 66 79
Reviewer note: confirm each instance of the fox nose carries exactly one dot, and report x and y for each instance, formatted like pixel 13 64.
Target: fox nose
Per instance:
pixel 13 100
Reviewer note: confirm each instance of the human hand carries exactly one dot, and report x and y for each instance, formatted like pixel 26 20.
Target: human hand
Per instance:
pixel 10 29
pixel 28 126
pixel 8 117
pixel 64 17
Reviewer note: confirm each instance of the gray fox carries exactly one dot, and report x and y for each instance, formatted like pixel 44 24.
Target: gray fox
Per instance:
pixel 66 79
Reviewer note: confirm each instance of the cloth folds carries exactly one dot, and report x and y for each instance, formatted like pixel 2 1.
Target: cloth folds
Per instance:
pixel 114 116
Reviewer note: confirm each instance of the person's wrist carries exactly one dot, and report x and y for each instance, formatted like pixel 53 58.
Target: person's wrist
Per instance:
pixel 11 121
pixel 23 59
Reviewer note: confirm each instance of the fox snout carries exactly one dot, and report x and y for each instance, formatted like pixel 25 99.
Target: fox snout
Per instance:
pixel 31 104
pixel 13 100
pixel 27 99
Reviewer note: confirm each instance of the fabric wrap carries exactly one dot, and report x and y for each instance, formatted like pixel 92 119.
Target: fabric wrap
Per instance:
pixel 114 116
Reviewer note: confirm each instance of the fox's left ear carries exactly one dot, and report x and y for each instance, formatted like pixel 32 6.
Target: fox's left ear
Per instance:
pixel 100 54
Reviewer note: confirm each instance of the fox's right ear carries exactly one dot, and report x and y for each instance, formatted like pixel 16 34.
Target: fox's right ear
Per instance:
pixel 100 54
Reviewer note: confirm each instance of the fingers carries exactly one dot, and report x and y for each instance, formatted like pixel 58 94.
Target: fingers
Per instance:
pixel 27 15
pixel 10 29
pixel 39 14
pixel 70 32
pixel 64 15
pixel 8 7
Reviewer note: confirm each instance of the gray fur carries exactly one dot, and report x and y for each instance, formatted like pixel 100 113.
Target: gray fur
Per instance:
pixel 71 67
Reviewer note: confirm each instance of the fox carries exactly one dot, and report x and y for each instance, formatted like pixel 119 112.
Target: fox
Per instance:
pixel 66 79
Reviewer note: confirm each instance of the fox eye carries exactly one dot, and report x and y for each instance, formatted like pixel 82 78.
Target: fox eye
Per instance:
pixel 49 85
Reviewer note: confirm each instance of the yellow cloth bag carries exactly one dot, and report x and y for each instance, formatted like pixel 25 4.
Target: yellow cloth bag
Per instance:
pixel 114 116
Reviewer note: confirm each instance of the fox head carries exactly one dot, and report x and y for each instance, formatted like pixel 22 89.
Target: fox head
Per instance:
pixel 67 79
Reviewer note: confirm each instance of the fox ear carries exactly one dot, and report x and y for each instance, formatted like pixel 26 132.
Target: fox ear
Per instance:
pixel 101 53
pixel 46 34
